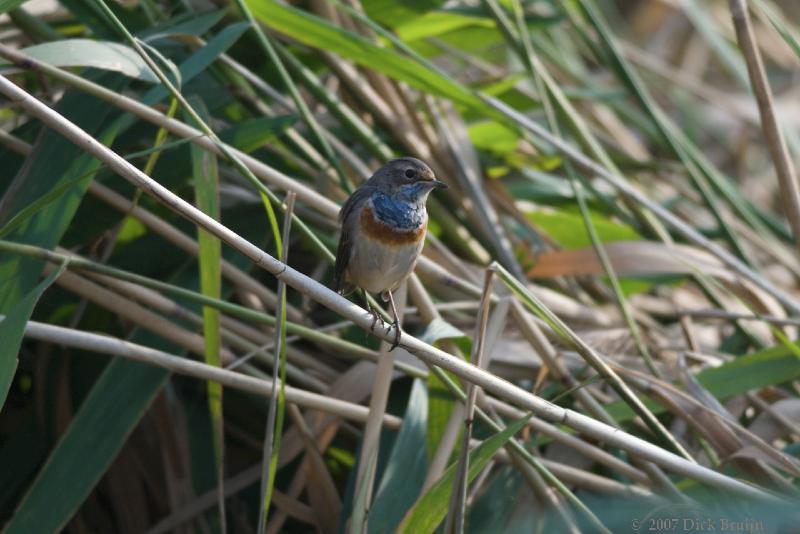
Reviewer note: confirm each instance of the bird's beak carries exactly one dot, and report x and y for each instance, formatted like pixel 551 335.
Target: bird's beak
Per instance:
pixel 438 184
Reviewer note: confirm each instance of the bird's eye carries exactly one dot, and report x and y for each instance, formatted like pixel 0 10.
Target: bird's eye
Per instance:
pixel 410 173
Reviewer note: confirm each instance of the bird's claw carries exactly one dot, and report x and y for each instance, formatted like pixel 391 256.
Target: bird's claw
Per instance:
pixel 397 335
pixel 374 313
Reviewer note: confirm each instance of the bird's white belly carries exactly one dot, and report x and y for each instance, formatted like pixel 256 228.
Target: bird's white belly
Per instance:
pixel 377 267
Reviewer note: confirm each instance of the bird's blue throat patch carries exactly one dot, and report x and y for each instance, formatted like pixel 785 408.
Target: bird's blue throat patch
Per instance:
pixel 405 210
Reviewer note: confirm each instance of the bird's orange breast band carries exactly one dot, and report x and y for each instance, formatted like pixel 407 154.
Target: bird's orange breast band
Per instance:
pixel 384 233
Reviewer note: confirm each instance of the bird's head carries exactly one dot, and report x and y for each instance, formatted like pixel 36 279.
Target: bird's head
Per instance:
pixel 407 178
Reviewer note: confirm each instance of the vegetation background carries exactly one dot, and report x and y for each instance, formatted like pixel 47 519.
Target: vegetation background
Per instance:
pixel 627 169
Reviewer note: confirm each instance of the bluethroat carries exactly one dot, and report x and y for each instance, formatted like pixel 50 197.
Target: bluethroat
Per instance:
pixel 384 223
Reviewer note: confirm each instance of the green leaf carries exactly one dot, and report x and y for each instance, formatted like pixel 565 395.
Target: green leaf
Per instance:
pixel 567 228
pixel 193 25
pixel 8 5
pixel 493 511
pixel 252 134
pixel 12 330
pixel 493 137
pixel 780 24
pixel 441 401
pixel 406 468
pixel 53 162
pixel 51 196
pixel 132 229
pixel 318 33
pixel 129 387
pixel 206 187
pixel 776 365
pixel 439 329
pixel 103 55
pixel 106 418
pixel 435 23
pixel 430 509
pixel 200 60
pixel 394 12
pixel 40 203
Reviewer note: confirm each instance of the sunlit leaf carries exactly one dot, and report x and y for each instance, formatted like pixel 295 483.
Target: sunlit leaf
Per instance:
pixel 316 32
pixel 87 53
pixel 566 227
pixel 205 175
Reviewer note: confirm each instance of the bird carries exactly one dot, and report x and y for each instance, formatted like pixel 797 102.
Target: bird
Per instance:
pixel 384 223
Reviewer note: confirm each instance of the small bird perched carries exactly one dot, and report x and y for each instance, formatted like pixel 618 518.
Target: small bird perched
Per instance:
pixel 383 231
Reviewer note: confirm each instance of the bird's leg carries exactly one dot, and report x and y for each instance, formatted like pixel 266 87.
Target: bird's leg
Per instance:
pixel 372 311
pixel 396 324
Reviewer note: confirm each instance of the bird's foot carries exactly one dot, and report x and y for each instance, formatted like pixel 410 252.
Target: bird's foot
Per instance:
pixel 397 335
pixel 374 313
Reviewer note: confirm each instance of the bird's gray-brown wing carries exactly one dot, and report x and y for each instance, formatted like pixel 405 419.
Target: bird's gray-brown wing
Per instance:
pixel 348 216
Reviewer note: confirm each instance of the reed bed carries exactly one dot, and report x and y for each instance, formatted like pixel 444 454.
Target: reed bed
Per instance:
pixel 599 336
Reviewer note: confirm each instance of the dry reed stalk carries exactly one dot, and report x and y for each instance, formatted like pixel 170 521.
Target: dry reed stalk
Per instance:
pixel 176 364
pixel 784 168
pixel 368 460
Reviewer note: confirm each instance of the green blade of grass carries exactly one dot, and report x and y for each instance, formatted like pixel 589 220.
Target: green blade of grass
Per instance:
pixel 545 88
pixel 622 302
pixel 184 25
pixel 52 164
pixel 51 196
pixel 252 134
pixel 42 202
pixel 107 416
pixel 405 469
pixel 781 25
pixel 12 330
pixel 524 454
pixel 206 187
pixel 198 62
pixel 277 406
pixel 430 508
pixel 628 76
pixel 724 49
pixel 130 387
pixel 345 114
